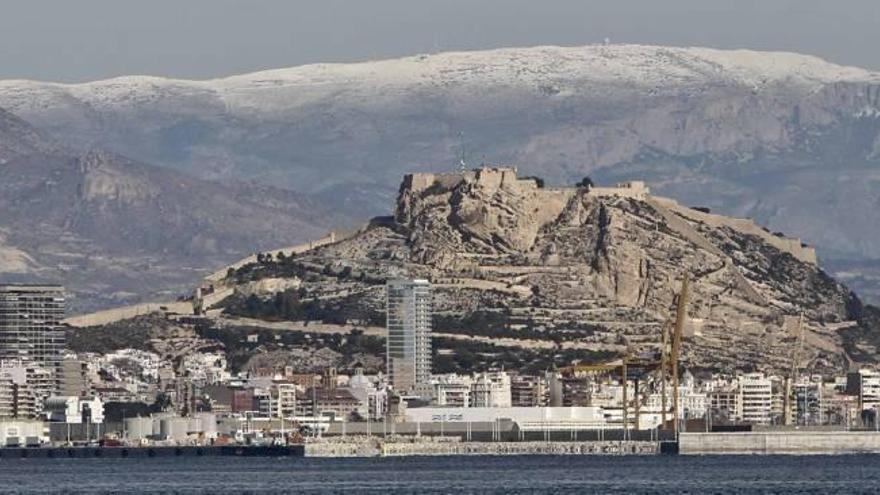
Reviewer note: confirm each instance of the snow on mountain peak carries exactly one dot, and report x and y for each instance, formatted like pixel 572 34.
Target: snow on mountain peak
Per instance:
pixel 636 67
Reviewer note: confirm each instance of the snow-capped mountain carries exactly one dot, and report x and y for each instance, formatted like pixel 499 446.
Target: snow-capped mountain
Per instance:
pixel 789 139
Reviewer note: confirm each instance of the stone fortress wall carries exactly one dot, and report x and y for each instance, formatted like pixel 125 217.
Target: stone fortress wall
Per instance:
pixel 792 246
pixel 495 177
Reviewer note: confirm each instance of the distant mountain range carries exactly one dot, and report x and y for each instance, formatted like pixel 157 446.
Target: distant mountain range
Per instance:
pixel 114 230
pixel 789 140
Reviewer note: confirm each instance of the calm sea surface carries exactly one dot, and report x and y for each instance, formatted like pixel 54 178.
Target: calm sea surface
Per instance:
pixel 458 475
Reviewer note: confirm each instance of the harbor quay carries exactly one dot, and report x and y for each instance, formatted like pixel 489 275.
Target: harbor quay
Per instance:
pixel 779 443
pixel 397 446
pixel 82 452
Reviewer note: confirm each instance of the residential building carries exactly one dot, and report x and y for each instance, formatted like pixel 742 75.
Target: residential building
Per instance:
pixel 372 394
pixel 408 345
pixel 23 388
pixel 756 391
pixel 808 404
pixel 691 403
pixel 491 389
pixel 30 325
pixel 73 378
pixel 529 391
pixel 867 386
pixel 725 404
pixel 452 390
pixel 338 403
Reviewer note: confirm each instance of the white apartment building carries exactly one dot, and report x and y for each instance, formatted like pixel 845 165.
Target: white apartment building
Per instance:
pixel 371 392
pixel 691 403
pixel 408 345
pixel 452 390
pixel 491 389
pixel 30 327
pixel 756 392
pixel 23 388
pixel 869 389
pixel 488 390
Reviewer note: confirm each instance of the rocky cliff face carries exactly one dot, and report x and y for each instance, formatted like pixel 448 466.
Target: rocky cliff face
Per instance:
pixel 594 269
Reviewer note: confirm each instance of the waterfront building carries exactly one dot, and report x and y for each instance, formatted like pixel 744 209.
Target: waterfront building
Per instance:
pixel 526 418
pixel 337 403
pixel 868 388
pixel 23 387
pixel 491 389
pixel 30 326
pixel 408 345
pixel 724 399
pixel 808 404
pixel 371 393
pixel 452 390
pixel 756 392
pixel 528 391
pixel 73 378
pixel 21 433
pixel 74 410
pixel 691 403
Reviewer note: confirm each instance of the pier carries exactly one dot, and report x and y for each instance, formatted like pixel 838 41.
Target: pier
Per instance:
pixel 147 452
pixel 450 446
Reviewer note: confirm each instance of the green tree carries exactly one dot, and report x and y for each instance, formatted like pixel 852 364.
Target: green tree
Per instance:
pixel 586 182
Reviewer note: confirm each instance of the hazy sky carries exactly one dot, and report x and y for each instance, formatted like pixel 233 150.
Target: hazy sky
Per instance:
pixel 76 40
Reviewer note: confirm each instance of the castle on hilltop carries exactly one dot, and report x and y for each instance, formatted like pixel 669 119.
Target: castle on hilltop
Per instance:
pixel 553 199
pixel 495 177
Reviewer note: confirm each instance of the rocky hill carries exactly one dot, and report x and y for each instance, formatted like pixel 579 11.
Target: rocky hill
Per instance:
pixel 789 140
pixel 115 231
pixel 553 275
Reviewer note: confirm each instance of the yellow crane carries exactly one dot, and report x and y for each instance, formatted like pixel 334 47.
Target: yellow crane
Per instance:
pixel 790 378
pixel 637 368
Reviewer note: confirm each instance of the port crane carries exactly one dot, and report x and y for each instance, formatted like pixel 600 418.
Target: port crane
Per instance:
pixel 790 378
pixel 639 368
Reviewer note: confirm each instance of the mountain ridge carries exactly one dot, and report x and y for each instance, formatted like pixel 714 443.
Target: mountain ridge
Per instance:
pixel 789 140
pixel 114 230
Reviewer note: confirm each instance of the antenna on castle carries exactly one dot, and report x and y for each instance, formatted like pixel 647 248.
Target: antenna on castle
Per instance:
pixel 462 158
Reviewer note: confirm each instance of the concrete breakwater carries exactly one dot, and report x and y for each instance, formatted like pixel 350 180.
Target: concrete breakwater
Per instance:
pixel 780 442
pixel 368 447
pixel 157 451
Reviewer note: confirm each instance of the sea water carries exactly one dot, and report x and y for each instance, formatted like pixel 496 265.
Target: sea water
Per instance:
pixel 455 475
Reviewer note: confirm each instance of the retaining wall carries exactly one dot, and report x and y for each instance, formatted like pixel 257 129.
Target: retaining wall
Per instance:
pixel 771 443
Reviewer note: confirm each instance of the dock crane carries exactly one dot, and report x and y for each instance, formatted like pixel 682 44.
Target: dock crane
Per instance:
pixel 790 378
pixel 628 366
pixel 670 355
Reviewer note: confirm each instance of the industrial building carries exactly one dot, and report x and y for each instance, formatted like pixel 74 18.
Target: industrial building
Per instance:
pixel 526 418
pixel 408 346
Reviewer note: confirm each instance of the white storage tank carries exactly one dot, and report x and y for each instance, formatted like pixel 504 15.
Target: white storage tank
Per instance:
pixel 206 423
pixel 173 428
pixel 138 428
